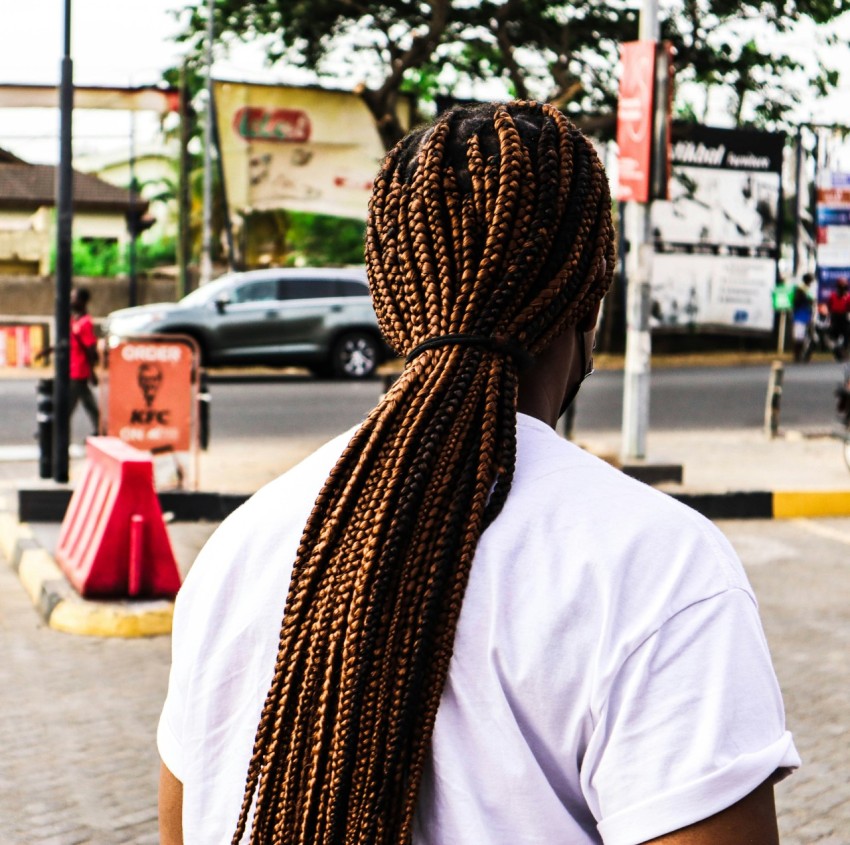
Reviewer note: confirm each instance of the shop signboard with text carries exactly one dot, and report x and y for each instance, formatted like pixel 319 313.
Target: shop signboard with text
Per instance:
pixel 833 231
pixel 298 148
pixel 716 240
pixel 149 398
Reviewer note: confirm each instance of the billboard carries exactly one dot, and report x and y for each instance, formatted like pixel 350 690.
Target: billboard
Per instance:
pixel 303 149
pixel 716 240
pixel 19 344
pixel 150 398
pixel 832 217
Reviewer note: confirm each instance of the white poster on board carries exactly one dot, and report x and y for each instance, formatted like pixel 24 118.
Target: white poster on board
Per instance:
pixel 716 238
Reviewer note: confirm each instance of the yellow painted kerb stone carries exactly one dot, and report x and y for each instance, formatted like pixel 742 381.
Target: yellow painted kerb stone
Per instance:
pixel 11 531
pixel 37 566
pixel 102 620
pixel 790 505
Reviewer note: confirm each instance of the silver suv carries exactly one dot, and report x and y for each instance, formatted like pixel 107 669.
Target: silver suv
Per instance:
pixel 318 318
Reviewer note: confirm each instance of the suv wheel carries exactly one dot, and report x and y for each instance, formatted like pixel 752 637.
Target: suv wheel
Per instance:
pixel 355 355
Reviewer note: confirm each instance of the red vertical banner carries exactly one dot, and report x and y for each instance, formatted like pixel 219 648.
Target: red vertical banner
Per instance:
pixel 22 338
pixel 634 119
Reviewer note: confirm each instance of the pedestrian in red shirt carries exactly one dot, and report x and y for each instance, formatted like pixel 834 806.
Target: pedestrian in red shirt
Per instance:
pixel 83 357
pixel 839 318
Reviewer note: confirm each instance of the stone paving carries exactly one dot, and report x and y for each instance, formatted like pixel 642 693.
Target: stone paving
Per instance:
pixel 79 763
pixel 800 571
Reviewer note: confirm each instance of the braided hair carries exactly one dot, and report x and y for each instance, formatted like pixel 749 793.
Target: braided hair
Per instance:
pixel 493 223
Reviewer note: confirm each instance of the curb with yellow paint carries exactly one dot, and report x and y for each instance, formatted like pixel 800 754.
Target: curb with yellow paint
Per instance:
pixel 61 607
pixel 811 503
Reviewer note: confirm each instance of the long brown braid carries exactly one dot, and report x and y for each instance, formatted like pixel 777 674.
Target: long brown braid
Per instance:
pixel 492 223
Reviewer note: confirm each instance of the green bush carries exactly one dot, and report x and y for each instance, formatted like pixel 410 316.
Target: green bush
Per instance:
pixel 103 257
pixel 322 240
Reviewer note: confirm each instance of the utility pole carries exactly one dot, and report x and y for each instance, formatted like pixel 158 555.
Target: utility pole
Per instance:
pixel 183 188
pixel 206 249
pixel 64 264
pixel 134 220
pixel 798 200
pixel 638 260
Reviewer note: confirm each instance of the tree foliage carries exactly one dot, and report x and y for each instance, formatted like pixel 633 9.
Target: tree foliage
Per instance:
pixel 565 53
pixel 104 257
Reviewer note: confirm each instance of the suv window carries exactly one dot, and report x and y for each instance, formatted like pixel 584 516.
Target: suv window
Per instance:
pixel 347 287
pixel 319 288
pixel 261 291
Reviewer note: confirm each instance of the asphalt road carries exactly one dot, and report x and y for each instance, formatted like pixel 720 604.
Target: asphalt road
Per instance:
pixel 680 399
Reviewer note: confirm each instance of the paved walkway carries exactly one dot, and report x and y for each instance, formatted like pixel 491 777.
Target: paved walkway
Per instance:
pixel 79 763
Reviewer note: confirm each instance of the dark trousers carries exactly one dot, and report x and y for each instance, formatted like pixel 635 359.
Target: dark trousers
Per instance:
pixel 80 391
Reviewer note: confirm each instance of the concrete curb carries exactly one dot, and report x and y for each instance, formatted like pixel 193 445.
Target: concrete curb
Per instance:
pixel 48 504
pixel 61 607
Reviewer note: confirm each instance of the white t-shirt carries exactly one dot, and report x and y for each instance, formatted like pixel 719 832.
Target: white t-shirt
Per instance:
pixel 610 679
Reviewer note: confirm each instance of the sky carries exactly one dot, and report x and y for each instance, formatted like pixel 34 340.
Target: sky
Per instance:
pixel 128 42
pixel 113 43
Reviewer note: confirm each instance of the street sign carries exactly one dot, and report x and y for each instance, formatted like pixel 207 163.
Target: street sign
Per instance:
pixel 783 297
pixel 150 401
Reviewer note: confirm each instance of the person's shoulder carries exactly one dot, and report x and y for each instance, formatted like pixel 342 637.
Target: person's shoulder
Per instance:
pixel 630 525
pixel 263 532
pixel 547 460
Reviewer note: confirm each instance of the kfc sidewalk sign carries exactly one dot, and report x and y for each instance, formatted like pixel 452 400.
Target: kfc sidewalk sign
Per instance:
pixel 150 401
pixel 643 120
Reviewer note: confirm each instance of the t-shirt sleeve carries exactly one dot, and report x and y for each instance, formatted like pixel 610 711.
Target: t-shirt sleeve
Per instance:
pixel 188 629
pixel 692 723
pixel 169 734
pixel 86 332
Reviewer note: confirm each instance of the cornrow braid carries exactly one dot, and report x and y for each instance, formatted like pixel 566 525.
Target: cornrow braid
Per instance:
pixel 492 223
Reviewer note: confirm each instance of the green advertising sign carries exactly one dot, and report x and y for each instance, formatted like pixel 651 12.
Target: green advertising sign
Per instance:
pixel 783 296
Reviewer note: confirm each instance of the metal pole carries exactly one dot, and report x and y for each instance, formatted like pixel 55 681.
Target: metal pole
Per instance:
pixel 773 401
pixel 232 261
pixel 64 263
pixel 132 291
pixel 183 189
pixel 637 364
pixel 798 202
pixel 638 340
pixel 206 249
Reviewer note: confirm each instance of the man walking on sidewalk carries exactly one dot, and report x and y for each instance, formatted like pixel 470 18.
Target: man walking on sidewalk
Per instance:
pixel 83 358
pixel 839 318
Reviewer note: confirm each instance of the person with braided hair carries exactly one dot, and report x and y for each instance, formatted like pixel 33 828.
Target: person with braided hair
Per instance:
pixel 450 626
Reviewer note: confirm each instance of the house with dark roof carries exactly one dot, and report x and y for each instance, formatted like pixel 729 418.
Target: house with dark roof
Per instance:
pixel 27 213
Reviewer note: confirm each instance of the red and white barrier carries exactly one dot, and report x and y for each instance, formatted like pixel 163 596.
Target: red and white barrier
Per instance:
pixel 113 542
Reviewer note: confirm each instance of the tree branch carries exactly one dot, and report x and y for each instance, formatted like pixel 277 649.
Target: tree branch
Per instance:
pixel 503 16
pixel 383 101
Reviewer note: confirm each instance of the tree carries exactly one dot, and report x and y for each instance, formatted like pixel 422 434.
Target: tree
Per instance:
pixel 565 53
pixel 738 46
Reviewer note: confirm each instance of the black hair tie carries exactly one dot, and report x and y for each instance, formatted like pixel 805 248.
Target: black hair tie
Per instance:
pixel 522 358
